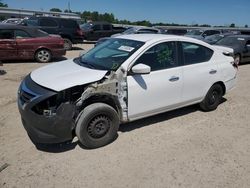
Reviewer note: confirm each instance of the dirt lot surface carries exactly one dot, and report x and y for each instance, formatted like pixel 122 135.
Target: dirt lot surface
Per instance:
pixel 182 148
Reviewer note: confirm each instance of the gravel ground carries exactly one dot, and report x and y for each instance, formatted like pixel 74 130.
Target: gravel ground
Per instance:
pixel 182 148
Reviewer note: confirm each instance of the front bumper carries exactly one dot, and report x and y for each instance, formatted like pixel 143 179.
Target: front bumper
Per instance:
pixel 42 128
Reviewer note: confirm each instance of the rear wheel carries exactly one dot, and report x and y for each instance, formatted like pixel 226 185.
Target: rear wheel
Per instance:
pixel 43 56
pixel 67 44
pixel 97 126
pixel 212 99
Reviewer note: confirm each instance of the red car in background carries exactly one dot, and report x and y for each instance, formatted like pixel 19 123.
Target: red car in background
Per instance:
pixel 19 43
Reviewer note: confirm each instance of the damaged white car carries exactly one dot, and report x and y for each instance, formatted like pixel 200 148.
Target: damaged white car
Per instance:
pixel 123 79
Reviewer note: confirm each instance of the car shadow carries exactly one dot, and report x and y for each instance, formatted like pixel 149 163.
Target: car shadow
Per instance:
pixel 57 148
pixel 127 127
pixel 75 48
pixel 89 42
pixel 243 64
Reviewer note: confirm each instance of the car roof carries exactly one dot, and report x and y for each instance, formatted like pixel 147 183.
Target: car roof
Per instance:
pixel 31 30
pixel 155 37
pixel 11 26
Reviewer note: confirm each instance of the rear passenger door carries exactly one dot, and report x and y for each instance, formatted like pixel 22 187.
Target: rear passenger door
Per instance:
pixel 199 71
pixel 8 48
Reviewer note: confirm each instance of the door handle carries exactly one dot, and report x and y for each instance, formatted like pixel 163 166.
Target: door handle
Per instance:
pixel 174 78
pixel 212 71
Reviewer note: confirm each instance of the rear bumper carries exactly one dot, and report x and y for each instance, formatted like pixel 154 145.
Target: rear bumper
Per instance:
pixel 230 84
pixel 42 128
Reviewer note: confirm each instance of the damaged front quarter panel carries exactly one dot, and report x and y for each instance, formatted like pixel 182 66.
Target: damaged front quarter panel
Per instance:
pixel 113 86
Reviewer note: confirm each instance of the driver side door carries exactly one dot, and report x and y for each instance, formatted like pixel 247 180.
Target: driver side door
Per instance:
pixel 161 89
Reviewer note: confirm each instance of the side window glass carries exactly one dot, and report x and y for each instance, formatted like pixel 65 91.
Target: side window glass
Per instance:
pixel 48 22
pixel 21 34
pixel 68 23
pixel 159 57
pixel 97 27
pixel 31 22
pixel 147 31
pixel 6 34
pixel 194 53
pixel 106 27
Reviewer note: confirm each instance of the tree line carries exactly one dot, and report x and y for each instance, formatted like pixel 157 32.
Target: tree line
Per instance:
pixel 109 17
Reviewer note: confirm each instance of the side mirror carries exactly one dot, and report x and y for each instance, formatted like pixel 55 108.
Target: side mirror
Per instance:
pixel 141 69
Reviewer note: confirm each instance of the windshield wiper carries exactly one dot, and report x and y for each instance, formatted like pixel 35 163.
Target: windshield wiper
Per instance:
pixel 83 63
pixel 88 64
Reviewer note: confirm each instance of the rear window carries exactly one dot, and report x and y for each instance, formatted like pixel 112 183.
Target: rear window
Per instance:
pixel 21 34
pixel 69 23
pixel 40 33
pixel 194 53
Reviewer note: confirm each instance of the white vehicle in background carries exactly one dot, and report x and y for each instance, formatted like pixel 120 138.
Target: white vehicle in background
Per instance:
pixel 13 20
pixel 123 79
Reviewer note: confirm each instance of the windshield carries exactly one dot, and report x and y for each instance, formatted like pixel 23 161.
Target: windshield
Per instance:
pixel 194 32
pixel 214 37
pixel 230 41
pixel 86 26
pixel 110 54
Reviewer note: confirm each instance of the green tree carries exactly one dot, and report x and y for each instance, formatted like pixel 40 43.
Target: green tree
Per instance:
pixel 3 4
pixel 246 26
pixel 67 11
pixel 232 25
pixel 55 10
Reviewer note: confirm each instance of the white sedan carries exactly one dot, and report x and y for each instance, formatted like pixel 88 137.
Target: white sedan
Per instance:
pixel 123 79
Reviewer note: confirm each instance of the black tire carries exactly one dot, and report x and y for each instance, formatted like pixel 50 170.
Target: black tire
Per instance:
pixel 43 56
pixel 97 126
pixel 212 99
pixel 67 44
pixel 237 59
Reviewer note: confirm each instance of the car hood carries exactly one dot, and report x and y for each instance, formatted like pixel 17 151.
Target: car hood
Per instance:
pixel 65 74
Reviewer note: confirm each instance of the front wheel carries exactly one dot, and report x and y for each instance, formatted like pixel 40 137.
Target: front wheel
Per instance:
pixel 212 99
pixel 97 126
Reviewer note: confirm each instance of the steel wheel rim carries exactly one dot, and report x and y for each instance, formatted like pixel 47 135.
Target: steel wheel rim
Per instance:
pixel 98 126
pixel 213 98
